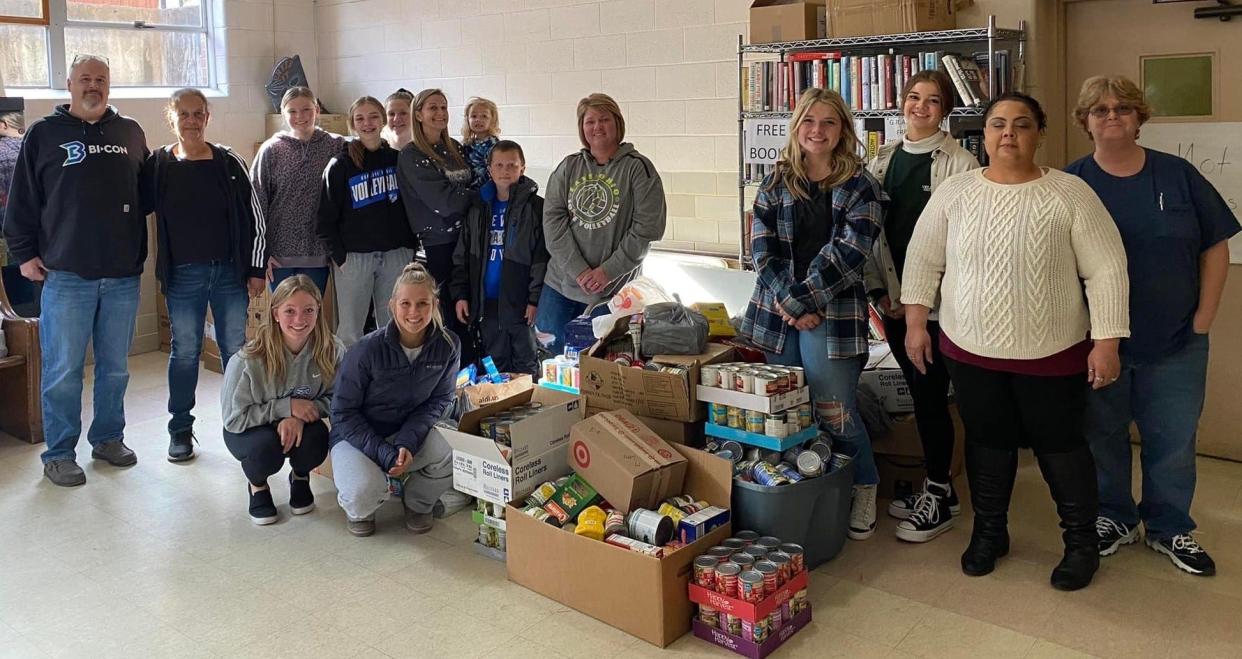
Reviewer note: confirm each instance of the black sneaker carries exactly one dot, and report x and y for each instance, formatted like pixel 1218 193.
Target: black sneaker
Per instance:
pixel 903 507
pixel 115 453
pixel 931 516
pixel 1186 554
pixel 262 508
pixel 301 499
pixel 181 446
pixel 1113 534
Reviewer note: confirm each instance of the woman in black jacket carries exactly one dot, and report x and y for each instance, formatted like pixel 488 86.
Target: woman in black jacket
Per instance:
pixel 435 186
pixel 362 221
pixel 500 262
pixel 209 231
pixel 393 386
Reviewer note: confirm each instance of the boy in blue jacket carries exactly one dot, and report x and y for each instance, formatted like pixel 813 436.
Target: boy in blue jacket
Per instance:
pixel 500 262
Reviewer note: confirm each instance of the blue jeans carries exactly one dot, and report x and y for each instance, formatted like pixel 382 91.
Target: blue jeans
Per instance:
pixel 190 288
pixel 1164 399
pixel 834 390
pixel 317 275
pixel 75 312
pixel 556 310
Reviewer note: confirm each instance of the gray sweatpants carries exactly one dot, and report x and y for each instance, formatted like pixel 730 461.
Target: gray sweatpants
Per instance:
pixel 366 278
pixel 362 486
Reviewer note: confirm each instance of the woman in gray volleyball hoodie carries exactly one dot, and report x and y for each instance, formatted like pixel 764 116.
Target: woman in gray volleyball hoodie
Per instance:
pixel 604 207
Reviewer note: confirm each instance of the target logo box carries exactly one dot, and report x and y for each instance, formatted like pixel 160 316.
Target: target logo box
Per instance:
pixel 536 453
pixel 625 461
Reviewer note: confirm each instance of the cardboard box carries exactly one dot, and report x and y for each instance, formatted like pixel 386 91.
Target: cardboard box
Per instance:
pixel 674 432
pixel 625 461
pixel 493 472
pixel 638 594
pixel 749 610
pixel 899 456
pixel 751 649
pixel 609 386
pixel 333 123
pixel 787 20
pixel 858 18
pixel 890 388
pixel 765 404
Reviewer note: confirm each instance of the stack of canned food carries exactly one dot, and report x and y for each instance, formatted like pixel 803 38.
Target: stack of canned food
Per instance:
pixel 562 370
pixel 490 536
pixel 750 567
pixel 644 531
pixel 778 425
pixel 798 463
pixel 496 428
pixel 758 379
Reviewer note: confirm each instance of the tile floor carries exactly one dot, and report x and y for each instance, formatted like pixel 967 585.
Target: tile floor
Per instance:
pixel 160 560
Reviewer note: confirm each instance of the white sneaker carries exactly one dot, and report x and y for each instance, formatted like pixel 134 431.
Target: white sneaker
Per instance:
pixel 862 512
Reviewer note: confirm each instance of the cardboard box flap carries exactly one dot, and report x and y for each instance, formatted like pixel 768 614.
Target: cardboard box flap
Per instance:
pixel 710 354
pixel 708 477
pixel 776 3
pixel 623 423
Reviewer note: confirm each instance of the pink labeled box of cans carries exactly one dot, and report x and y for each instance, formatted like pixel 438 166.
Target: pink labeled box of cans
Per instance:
pixel 752 593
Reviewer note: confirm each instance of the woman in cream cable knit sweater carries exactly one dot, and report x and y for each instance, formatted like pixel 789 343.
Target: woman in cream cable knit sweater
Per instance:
pixel 1010 249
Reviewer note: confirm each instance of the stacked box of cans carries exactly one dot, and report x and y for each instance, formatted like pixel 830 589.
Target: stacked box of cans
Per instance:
pixel 752 593
pixel 776 424
pixel 571 504
pixel 491 520
pixel 496 428
pixel 761 380
pixel 794 465
pixel 561 369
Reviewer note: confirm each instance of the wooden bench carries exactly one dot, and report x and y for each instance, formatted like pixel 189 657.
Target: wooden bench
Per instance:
pixel 20 413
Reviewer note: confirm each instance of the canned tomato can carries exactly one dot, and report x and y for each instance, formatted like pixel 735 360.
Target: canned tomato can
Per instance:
pixel 765 383
pixel 784 565
pixel 796 556
pixel 734 543
pixel 774 426
pixel 709 616
pixel 732 624
pixel 718 413
pixel 720 552
pixel 751 586
pixel 650 526
pixel 755 552
pixel 749 537
pixel 764 473
pixel 743 559
pixel 744 381
pixel 787 470
pixel 709 376
pixel 799 376
pixel 726 578
pixel 769 543
pixel 810 464
pixel 705 571
pixel 754 422
pixel 614 523
pixel 771 575
pixel 736 418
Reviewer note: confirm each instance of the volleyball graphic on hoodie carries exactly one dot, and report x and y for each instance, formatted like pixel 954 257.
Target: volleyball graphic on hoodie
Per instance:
pixel 594 200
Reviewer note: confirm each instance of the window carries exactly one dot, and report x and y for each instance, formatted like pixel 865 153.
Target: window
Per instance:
pixel 149 43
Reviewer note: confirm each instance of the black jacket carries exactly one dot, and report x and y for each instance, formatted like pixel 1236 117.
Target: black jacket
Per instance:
pixel 74 200
pixel 380 393
pixel 436 200
pixel 526 256
pixel 245 221
pixel 360 210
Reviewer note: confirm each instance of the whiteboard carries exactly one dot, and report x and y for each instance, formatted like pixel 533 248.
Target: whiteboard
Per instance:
pixel 1215 149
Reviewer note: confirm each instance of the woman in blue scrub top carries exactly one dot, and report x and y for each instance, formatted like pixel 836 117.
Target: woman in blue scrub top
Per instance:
pixel 1175 227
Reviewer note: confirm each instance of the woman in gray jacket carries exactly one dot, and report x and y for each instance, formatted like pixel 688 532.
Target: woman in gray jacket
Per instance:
pixel 910 169
pixel 276 393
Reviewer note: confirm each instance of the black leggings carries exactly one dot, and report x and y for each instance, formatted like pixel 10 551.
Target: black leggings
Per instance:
pixel 931 398
pixel 259 451
pixel 1007 411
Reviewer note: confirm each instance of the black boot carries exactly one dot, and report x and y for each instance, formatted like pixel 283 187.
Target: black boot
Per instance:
pixel 1071 478
pixel 990 472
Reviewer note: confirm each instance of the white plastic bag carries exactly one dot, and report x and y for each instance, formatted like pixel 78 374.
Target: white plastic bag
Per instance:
pixel 635 296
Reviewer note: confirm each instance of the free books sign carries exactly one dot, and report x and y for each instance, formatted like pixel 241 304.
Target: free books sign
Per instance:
pixel 764 139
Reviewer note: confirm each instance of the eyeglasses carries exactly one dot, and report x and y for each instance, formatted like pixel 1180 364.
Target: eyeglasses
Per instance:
pixel 1101 112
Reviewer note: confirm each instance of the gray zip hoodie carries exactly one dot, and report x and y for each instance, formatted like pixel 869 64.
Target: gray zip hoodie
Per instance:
pixel 287 175
pixel 601 216
pixel 248 398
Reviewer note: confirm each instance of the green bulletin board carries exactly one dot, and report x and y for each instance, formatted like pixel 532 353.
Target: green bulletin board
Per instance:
pixel 1179 85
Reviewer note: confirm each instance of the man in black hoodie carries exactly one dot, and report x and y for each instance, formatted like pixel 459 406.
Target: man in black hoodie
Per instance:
pixel 75 222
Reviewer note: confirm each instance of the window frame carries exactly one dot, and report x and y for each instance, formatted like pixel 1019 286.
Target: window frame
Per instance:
pixel 55 20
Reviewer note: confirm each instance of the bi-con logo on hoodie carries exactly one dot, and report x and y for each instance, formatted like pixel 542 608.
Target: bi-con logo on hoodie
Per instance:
pixel 594 200
pixel 373 187
pixel 76 152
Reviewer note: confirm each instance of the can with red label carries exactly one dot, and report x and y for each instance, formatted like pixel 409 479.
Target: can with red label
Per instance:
pixel 721 552
pixel 726 578
pixel 749 537
pixel 784 564
pixel 766 383
pixel 743 559
pixel 769 543
pixel 733 543
pixel 796 557
pixel 771 575
pixel 751 586
pixel 756 552
pixel 744 381
pixel 705 571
